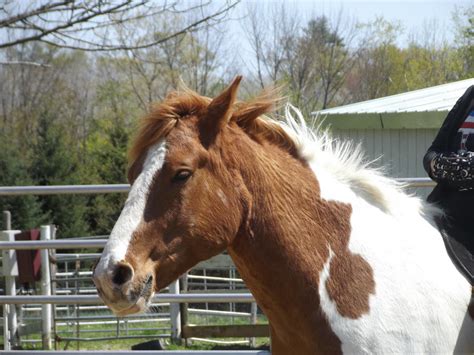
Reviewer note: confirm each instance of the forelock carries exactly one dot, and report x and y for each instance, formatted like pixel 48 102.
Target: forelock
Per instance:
pixel 179 105
pixel 163 117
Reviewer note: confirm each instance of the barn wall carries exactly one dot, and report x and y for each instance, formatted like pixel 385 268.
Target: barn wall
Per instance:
pixel 401 151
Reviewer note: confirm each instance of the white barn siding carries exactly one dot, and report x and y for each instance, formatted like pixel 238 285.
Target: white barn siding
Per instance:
pixel 399 151
pixel 398 128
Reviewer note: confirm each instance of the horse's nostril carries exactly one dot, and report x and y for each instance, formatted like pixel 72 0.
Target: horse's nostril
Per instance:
pixel 123 273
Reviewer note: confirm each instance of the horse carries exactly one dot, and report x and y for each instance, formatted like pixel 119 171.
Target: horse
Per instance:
pixel 338 256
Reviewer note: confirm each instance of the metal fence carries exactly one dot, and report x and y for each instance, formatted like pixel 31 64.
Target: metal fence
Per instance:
pixel 120 188
pixel 46 300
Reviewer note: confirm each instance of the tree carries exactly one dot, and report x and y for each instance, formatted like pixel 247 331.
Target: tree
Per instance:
pixel 108 165
pixel 311 61
pixel 106 151
pixel 90 24
pixel 26 210
pixel 379 62
pixel 271 40
pixel 151 73
pixel 65 87
pixel 463 19
pixel 324 45
pixel 429 65
pixel 54 163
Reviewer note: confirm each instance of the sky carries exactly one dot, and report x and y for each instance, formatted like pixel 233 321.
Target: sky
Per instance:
pixel 412 14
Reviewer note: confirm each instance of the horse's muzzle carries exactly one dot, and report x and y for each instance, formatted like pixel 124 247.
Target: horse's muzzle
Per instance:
pixel 121 289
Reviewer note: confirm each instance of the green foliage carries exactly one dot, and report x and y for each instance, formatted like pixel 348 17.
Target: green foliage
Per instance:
pixel 26 210
pixel 315 64
pixel 464 22
pixel 386 68
pixel 424 67
pixel 55 163
pixel 107 151
pixel 318 31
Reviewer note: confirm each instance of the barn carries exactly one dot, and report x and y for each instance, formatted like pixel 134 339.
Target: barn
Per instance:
pixel 396 129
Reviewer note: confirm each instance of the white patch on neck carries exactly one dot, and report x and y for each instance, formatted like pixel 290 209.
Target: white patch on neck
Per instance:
pixel 420 300
pixel 132 212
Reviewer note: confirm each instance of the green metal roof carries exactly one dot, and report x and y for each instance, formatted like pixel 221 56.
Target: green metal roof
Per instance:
pixel 425 108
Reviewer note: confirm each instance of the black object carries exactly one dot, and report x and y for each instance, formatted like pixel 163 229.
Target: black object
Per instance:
pixel 455 202
pixel 149 345
pixel 455 241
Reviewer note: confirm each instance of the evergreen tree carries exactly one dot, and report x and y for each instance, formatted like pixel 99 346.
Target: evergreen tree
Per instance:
pixel 55 162
pixel 108 149
pixel 25 210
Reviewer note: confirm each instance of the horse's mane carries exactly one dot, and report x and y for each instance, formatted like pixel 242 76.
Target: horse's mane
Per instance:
pixel 341 159
pixel 346 162
pixel 182 104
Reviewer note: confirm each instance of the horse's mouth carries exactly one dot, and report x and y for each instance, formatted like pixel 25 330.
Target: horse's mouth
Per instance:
pixel 141 299
pixel 147 289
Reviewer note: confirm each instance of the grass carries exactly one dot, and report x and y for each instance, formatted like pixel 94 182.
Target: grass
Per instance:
pixel 109 330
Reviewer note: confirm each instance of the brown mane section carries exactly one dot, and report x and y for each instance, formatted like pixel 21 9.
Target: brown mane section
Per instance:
pixel 178 104
pixel 250 116
pixel 163 117
pixel 263 129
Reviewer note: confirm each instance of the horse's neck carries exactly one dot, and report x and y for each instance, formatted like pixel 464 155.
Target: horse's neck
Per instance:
pixel 298 264
pixel 292 230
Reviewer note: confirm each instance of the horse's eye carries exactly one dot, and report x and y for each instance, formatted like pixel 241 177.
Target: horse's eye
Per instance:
pixel 182 175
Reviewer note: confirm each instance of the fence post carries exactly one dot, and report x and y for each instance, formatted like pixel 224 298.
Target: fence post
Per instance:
pixel 7 220
pixel 175 314
pixel 10 271
pixel 7 225
pixel 46 309
pixel 253 320
pixel 184 306
pixel 53 271
pixel 6 331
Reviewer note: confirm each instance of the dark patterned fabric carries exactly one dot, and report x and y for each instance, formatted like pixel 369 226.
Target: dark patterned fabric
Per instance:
pixel 449 139
pixel 454 169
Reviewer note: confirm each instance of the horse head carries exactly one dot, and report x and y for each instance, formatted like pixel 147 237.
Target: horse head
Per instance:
pixel 186 203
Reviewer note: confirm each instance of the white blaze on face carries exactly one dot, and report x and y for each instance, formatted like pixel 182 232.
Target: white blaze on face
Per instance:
pixel 132 212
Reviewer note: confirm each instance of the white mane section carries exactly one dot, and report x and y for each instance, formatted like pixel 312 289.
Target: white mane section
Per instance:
pixel 345 162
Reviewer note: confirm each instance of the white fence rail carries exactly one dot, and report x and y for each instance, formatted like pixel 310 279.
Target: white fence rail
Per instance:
pixel 63 189
pixel 53 244
pixel 161 298
pixel 120 188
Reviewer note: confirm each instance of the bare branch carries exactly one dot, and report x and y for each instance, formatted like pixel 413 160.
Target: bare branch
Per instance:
pixel 34 64
pixel 74 24
pixel 85 16
pixel 40 10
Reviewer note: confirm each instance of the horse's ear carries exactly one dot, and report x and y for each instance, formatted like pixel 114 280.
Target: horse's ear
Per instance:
pixel 219 110
pixel 247 112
